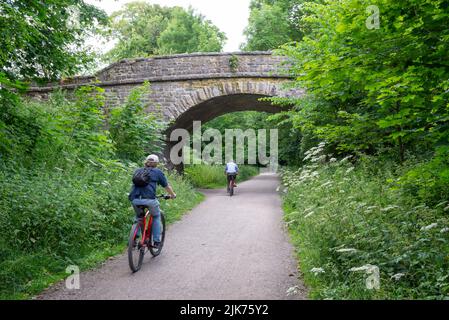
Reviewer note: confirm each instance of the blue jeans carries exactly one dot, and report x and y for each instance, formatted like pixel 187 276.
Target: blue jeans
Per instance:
pixel 153 205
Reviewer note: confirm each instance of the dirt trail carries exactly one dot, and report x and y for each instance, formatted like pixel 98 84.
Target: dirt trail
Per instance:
pixel 226 248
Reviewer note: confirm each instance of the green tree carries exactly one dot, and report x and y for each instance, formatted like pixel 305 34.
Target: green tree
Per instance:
pixel 272 24
pixel 374 88
pixel 189 32
pixel 40 41
pixel 137 27
pixel 44 39
pixel 144 30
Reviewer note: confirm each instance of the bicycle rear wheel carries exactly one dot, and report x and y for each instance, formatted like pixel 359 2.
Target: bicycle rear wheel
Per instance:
pixel 155 252
pixel 136 251
pixel 231 187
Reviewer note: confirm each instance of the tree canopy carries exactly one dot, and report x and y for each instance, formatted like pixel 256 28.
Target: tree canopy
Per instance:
pixel 371 87
pixel 144 30
pixel 272 23
pixel 44 39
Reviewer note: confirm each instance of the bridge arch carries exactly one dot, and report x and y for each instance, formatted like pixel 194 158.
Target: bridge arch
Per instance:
pixel 189 87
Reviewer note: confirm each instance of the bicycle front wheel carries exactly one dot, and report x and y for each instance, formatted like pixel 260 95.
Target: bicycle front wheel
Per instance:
pixel 136 251
pixel 155 252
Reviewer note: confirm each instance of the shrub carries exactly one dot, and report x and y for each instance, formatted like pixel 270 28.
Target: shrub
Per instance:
pixel 212 176
pixel 49 220
pixel 344 216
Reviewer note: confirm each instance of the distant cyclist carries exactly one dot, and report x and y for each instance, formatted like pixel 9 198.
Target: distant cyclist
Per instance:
pixel 143 193
pixel 231 171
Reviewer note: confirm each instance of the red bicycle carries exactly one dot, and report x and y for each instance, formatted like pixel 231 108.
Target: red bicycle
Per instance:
pixel 141 238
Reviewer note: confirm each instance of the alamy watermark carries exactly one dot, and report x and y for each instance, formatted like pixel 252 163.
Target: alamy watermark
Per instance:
pixel 373 21
pixel 72 282
pixel 73 19
pixel 207 147
pixel 372 282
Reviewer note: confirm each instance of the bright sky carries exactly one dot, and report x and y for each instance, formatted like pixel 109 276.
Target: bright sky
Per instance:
pixel 230 16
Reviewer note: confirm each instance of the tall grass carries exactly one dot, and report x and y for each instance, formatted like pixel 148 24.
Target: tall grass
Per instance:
pixel 63 193
pixel 50 220
pixel 212 176
pixel 345 218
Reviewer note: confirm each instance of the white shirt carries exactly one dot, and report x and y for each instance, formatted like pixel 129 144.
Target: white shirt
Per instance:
pixel 231 167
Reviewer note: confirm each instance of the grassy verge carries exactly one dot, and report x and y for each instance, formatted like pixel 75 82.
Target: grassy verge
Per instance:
pixel 212 176
pixel 345 220
pixel 77 217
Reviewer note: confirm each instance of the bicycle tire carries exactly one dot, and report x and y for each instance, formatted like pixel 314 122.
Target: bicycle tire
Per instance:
pixel 231 188
pixel 153 250
pixel 133 250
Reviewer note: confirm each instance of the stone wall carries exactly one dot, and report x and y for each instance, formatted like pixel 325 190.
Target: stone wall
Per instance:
pixel 181 82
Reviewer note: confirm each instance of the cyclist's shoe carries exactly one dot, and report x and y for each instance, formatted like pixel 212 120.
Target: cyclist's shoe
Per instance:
pixel 156 245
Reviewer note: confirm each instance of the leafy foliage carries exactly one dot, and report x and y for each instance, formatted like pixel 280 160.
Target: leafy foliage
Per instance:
pixel 272 24
pixel 39 42
pixel 212 176
pixel 188 32
pixel 145 30
pixel 343 216
pixel 63 191
pixel 374 88
pixel 135 132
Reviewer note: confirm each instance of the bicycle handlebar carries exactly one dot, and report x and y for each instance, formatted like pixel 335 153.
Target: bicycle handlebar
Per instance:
pixel 164 196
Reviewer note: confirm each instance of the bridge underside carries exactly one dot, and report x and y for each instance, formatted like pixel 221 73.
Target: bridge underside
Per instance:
pixel 218 106
pixel 212 108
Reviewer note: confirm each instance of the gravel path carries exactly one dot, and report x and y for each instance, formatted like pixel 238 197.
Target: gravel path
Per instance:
pixel 225 248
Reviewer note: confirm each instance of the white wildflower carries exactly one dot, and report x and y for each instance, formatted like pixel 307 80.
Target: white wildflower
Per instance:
pixel 362 268
pixel 346 250
pixel 331 160
pixel 345 159
pixel 389 208
pixel 319 158
pixel 397 276
pixel 309 214
pixel 444 230
pixel 317 270
pixel 349 170
pixel 329 183
pixel 430 226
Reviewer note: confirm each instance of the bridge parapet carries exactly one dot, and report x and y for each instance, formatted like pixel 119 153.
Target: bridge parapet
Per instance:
pixel 180 67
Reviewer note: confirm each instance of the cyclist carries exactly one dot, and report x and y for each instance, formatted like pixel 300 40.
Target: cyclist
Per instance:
pixel 231 171
pixel 146 195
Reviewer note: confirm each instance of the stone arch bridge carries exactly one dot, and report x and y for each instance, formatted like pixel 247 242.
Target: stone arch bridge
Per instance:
pixel 189 87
